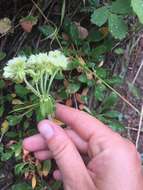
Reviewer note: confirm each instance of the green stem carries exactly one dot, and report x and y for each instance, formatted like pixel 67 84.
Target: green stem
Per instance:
pixel 31 88
pixel 37 88
pixel 45 82
pixel 23 108
pixel 41 84
pixel 51 80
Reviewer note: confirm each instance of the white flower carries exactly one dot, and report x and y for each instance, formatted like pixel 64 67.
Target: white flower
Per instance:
pixel 58 59
pixel 15 69
pixel 39 64
pixel 37 59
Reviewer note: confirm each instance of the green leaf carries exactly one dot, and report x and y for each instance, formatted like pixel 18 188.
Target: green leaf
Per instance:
pixel 56 185
pixel 113 114
pixel 138 8
pixel 1 148
pixel 100 16
pixel 2 84
pixel 13 120
pixel 6 156
pixel 99 92
pixel 19 168
pixel 115 80
pixel 121 7
pixel 102 73
pixel 73 31
pixel 73 88
pixel 83 78
pixel 46 167
pixel 32 19
pixel 116 126
pixel 17 149
pixel 2 55
pixel 117 26
pixel 47 30
pixel 21 186
pixel 99 50
pixel 110 101
pixel 1 110
pixel 119 51
pixel 21 90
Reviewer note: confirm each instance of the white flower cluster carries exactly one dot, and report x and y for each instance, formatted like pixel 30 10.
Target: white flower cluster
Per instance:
pixel 35 66
pixel 15 69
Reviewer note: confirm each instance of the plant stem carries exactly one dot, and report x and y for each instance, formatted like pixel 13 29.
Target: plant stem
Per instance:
pixel 51 80
pixel 45 82
pixel 37 88
pixel 41 84
pixel 31 88
pixel 23 108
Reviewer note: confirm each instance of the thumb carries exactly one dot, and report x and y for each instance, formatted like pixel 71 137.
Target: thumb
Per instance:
pixel 66 155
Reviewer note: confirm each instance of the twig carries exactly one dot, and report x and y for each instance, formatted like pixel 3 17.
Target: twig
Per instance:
pixel 137 74
pixel 140 126
pixel 133 129
pixel 123 98
pixel 75 101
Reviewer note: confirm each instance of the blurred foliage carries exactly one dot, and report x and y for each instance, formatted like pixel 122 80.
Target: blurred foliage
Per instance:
pixel 87 32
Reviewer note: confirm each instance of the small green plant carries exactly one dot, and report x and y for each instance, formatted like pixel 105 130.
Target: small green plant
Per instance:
pixel 115 14
pixel 38 72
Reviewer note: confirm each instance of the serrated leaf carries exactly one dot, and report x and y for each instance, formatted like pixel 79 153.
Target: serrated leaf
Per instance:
pixel 100 16
pixel 117 26
pixel 121 7
pixel 138 8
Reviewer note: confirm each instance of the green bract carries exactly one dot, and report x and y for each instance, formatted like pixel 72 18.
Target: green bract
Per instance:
pixel 38 72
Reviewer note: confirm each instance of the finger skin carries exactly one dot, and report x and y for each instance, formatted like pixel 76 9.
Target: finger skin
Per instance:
pixel 43 155
pixel 81 122
pixel 35 143
pixel 80 144
pixel 66 156
pixel 57 175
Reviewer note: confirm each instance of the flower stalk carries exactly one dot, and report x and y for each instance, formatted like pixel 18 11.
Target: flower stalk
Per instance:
pixel 38 73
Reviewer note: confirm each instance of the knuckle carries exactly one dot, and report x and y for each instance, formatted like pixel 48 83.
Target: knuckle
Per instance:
pixel 61 147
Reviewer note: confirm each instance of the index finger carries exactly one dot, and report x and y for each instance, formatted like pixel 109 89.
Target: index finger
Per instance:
pixel 84 124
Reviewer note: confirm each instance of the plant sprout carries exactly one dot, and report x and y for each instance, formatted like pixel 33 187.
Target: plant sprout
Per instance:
pixel 38 72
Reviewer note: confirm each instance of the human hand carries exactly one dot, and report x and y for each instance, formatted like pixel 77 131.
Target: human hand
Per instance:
pixel 113 163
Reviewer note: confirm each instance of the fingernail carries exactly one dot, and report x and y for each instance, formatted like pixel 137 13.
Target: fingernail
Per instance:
pixel 46 131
